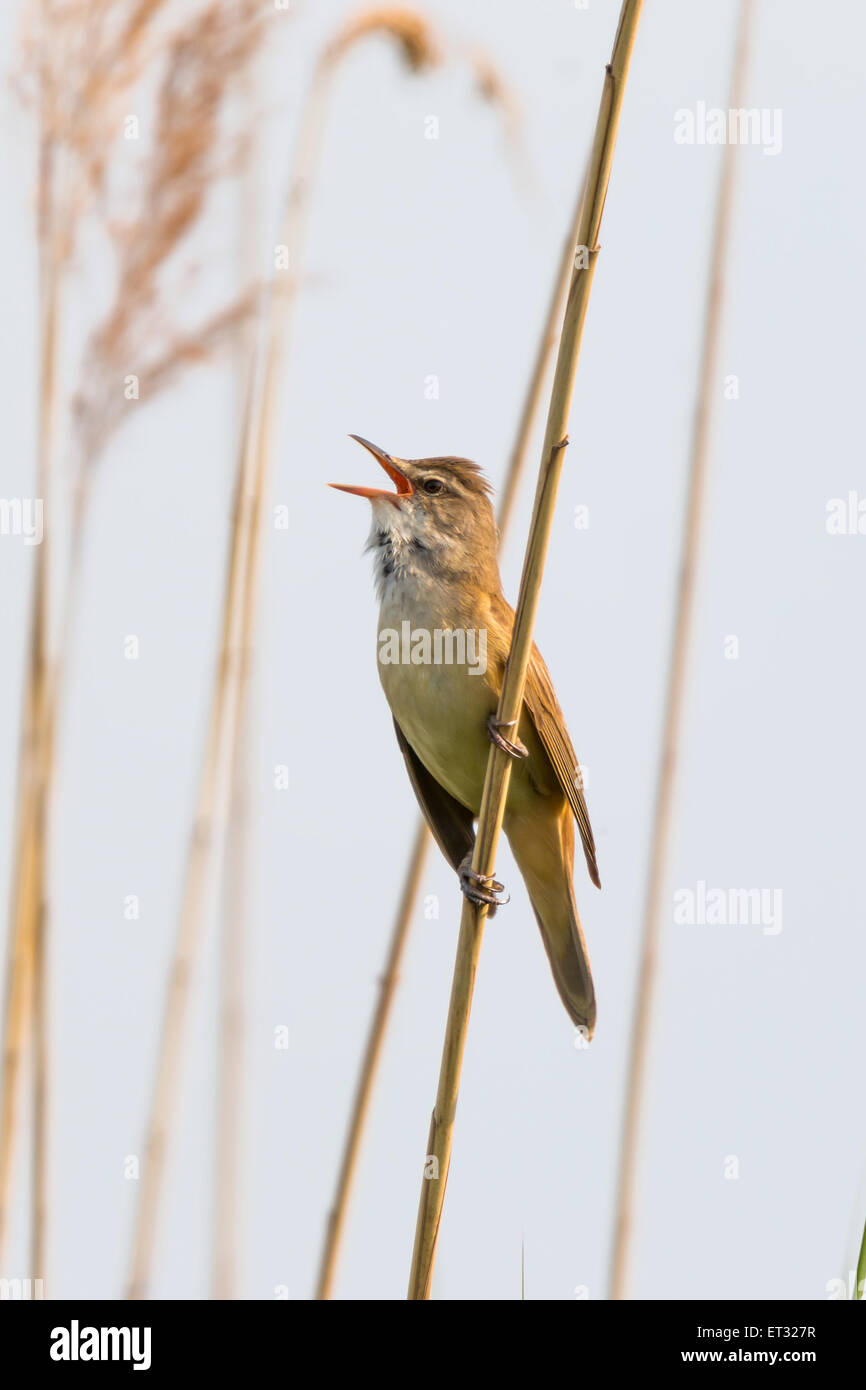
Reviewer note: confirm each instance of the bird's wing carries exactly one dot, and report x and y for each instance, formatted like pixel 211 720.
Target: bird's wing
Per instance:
pixel 448 819
pixel 540 700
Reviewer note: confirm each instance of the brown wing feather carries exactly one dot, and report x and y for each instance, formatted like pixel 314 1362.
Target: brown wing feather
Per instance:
pixel 540 700
pixel 450 821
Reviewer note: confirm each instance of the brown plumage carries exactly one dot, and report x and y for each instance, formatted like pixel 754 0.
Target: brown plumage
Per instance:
pixel 435 544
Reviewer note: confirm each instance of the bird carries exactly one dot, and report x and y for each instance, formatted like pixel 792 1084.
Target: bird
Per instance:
pixel 434 540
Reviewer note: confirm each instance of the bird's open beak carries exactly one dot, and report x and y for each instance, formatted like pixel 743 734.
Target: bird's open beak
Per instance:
pixel 404 487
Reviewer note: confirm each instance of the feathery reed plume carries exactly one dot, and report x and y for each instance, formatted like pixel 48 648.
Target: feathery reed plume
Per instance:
pixel 414 35
pixel 86 58
pixel 76 78
pixel 511 699
pixel 675 696
pixel 203 60
pixel 389 977
pixel 419 49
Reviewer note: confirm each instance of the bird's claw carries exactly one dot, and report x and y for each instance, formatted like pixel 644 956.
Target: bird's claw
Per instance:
pixel 515 748
pixel 481 889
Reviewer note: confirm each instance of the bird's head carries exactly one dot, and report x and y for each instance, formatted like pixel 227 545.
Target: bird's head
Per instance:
pixel 438 516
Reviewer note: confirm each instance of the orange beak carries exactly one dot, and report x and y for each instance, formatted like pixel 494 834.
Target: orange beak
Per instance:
pixel 404 487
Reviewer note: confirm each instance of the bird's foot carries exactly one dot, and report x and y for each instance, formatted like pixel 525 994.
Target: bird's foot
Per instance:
pixel 481 888
pixel 515 747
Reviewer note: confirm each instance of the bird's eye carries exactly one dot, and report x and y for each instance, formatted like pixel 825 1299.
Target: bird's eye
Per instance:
pixel 432 485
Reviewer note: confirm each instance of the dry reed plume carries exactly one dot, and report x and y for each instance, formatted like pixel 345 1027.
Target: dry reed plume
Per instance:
pixel 86 58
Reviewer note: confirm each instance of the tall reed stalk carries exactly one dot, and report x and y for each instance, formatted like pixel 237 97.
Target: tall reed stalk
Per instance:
pixel 229 1129
pixel 33 890
pixel 498 774
pixel 659 858
pixel 25 1005
pixel 230 1069
pixel 389 978
pixel 210 800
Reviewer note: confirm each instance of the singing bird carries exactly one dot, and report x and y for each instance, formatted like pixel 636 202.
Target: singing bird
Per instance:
pixel 434 540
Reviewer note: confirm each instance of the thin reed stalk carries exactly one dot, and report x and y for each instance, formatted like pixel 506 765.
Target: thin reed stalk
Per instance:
pixel 17 1007
pixel 210 796
pixel 229 1105
pixel 388 980
pixel 231 1015
pixel 511 699
pixel 230 1094
pixel 26 998
pixel 662 822
pixel 33 895
pixel 26 1014
pixel 860 1285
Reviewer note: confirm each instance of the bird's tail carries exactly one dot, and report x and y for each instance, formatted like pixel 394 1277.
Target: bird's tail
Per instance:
pixel 544 852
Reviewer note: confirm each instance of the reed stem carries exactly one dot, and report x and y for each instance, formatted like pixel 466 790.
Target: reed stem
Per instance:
pixel 36 922
pixel 511 699
pixel 209 807
pixel 229 1105
pixel 388 982
pixel 26 999
pixel 675 696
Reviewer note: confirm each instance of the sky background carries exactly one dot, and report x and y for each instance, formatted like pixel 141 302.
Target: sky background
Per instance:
pixel 431 258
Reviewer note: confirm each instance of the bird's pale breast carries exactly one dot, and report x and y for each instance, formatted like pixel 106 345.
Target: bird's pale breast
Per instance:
pixel 442 708
pixel 440 705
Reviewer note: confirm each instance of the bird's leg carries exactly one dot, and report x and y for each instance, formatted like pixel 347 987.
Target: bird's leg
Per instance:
pixel 515 748
pixel 480 888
